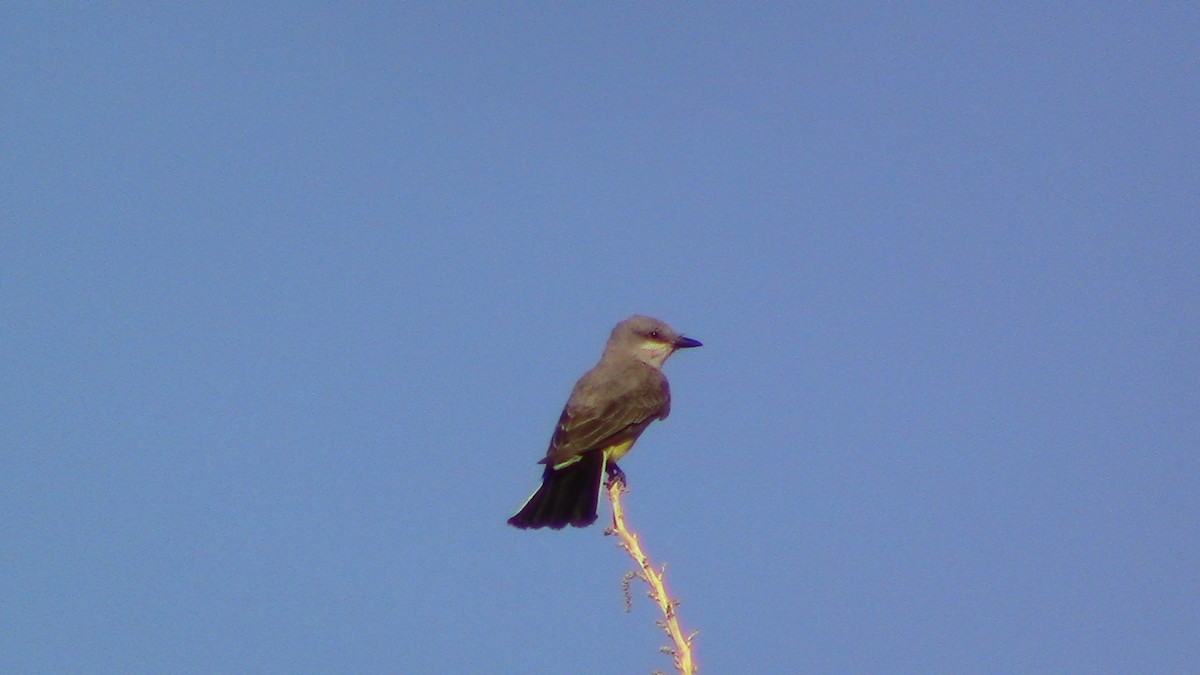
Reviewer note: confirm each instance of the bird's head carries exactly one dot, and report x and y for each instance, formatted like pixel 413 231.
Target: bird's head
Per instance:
pixel 646 339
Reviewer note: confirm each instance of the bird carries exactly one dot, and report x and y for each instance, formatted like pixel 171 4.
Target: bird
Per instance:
pixel 608 409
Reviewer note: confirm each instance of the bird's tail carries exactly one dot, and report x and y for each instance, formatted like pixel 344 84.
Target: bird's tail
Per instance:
pixel 567 496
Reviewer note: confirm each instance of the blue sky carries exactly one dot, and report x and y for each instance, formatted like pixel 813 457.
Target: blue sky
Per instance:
pixel 293 294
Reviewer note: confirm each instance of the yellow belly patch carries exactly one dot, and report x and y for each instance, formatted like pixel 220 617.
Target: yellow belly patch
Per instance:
pixel 617 451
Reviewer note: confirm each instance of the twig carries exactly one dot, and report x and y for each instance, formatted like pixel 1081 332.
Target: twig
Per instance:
pixel 682 651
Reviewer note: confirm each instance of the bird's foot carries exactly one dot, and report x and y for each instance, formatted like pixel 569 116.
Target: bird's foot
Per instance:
pixel 615 474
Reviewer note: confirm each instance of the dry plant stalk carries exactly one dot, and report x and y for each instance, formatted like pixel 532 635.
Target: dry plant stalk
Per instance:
pixel 682 651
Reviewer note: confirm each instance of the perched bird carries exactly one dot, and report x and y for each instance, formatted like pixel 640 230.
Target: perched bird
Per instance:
pixel 610 406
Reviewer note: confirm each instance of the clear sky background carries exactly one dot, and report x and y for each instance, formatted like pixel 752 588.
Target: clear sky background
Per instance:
pixel 291 296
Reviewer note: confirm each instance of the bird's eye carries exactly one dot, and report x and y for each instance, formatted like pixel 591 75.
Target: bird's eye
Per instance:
pixel 654 334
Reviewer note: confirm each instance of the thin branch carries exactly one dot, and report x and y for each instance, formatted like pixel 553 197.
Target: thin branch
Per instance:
pixel 682 651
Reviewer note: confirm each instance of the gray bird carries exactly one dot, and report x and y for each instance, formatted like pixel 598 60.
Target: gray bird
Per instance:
pixel 610 406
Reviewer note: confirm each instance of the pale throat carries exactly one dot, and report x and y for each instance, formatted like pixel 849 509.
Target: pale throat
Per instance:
pixel 654 353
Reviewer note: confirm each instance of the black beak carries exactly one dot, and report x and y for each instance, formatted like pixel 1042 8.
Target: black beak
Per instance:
pixel 687 343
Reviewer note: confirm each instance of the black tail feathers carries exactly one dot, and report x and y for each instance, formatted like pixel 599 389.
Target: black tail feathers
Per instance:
pixel 568 496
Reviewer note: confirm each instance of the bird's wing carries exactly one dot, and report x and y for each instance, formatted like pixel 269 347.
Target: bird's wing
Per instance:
pixel 591 426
